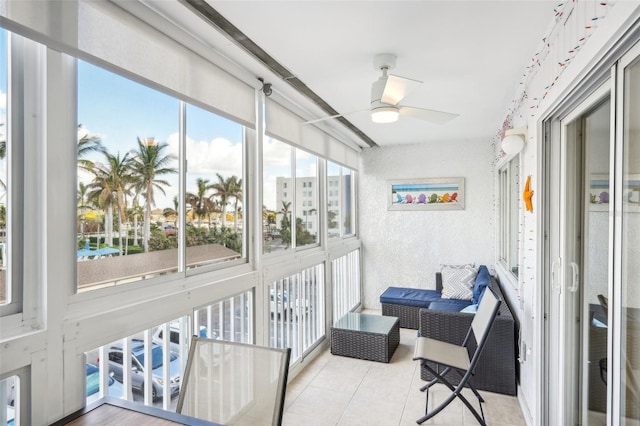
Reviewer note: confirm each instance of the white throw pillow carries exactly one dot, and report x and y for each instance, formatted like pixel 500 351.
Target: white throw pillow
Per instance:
pixel 457 283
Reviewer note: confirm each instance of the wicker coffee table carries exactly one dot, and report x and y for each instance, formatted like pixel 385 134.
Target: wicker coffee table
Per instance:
pixel 365 336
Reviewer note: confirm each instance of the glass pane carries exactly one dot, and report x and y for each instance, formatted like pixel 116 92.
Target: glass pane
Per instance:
pixel 217 321
pixel 278 194
pixel 215 195
pixel 630 292
pixel 348 208
pixel 234 383
pixel 5 293
pixel 514 197
pixel 596 261
pixel 306 198
pixel 127 176
pixel 334 199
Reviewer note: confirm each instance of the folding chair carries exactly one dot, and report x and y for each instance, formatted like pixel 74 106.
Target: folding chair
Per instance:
pixel 457 358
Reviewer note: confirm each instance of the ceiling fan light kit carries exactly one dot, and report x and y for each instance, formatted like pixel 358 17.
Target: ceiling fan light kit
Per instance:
pixel 387 92
pixel 384 114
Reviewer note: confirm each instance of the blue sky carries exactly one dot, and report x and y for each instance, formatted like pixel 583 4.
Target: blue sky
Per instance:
pixel 120 110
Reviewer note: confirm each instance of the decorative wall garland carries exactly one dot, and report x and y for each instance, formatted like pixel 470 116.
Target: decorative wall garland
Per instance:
pixel 574 23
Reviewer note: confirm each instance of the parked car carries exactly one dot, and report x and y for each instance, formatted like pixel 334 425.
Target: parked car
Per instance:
pixel 93 384
pixel 283 306
pixel 174 336
pixel 168 229
pixel 116 357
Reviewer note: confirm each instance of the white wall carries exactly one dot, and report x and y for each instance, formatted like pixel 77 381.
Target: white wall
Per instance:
pixel 406 248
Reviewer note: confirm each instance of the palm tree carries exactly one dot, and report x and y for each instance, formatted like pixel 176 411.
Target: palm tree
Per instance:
pixel 149 163
pixel 236 193
pixel 225 188
pixel 87 143
pixel 110 187
pixel 169 212
pixel 285 223
pixel 200 203
pixel 135 211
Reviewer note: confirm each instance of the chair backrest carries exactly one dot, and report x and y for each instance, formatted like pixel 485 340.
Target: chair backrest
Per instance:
pixel 234 383
pixel 484 317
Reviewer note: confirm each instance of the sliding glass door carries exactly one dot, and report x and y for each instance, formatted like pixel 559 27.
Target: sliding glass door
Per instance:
pixel 592 359
pixel 625 365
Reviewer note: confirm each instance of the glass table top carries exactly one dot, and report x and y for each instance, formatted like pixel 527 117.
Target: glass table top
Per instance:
pixel 368 323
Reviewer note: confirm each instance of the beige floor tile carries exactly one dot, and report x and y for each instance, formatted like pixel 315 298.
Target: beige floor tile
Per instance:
pixel 293 419
pixel 336 390
pixel 340 375
pixel 363 410
pixel 325 405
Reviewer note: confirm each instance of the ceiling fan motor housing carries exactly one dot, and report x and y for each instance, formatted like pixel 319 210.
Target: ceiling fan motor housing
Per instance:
pixel 384 61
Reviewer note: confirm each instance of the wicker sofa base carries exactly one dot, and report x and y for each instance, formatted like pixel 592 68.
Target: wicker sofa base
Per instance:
pixel 408 315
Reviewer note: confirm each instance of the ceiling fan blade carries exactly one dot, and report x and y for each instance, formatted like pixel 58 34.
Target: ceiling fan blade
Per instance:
pixel 396 88
pixel 333 116
pixel 430 115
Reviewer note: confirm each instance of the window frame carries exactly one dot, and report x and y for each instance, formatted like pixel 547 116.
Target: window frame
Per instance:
pixel 25 58
pixel 509 214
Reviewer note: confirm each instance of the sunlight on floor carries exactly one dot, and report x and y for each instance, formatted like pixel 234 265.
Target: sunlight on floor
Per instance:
pixel 335 390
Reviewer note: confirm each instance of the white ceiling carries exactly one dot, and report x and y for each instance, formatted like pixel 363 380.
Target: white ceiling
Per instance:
pixel 471 56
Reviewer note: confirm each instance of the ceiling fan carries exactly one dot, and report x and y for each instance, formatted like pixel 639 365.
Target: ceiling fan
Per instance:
pixel 388 91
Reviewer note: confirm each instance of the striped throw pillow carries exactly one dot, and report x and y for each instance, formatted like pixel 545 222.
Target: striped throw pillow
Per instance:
pixel 457 283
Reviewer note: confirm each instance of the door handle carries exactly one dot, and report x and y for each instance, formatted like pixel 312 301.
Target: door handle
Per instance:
pixel 575 278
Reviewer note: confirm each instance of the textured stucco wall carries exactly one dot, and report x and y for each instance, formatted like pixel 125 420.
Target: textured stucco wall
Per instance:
pixel 406 248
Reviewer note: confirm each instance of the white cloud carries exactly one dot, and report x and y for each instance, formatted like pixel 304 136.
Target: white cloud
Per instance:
pixel 216 156
pixel 276 153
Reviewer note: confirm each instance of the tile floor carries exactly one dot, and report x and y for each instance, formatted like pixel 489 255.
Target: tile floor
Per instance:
pixel 335 390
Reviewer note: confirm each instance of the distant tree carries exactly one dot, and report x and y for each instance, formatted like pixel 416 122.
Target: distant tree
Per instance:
pixel 150 163
pixel 87 143
pixel 110 186
pixel 285 224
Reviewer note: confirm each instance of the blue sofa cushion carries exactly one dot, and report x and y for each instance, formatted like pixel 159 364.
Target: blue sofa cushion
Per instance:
pixel 454 305
pixel 410 296
pixel 482 281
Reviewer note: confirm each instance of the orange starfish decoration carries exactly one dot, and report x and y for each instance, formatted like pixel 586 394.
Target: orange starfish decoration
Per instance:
pixel 527 195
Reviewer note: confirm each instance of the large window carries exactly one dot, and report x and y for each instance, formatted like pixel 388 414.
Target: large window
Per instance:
pixel 215 196
pixel 129 199
pixel 127 176
pixel 509 178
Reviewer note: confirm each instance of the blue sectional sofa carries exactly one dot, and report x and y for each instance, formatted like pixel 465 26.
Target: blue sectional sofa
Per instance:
pixel 405 303
pixel 442 319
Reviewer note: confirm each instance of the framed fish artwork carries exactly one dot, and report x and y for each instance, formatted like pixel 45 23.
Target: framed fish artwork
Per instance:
pixel 426 194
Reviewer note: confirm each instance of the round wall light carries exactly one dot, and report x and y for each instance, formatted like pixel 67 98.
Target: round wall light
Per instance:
pixel 513 141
